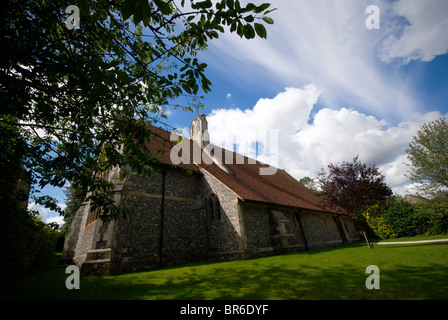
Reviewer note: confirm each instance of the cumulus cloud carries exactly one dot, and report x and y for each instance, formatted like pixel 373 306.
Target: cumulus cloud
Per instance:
pixel 47 215
pixel 289 110
pixel 310 140
pixel 58 219
pixel 43 212
pixel 422 35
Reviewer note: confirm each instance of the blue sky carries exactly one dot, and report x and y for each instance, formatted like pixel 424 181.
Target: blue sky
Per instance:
pixel 332 88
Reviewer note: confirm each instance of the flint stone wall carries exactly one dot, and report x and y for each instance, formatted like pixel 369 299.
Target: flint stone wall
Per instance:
pixel 292 230
pixel 246 229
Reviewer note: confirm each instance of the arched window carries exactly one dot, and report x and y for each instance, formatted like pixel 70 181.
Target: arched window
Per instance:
pixel 214 208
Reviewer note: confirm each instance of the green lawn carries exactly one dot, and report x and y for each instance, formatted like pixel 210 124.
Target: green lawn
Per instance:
pixel 406 272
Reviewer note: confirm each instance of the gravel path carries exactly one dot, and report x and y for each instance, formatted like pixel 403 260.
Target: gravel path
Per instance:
pixel 410 242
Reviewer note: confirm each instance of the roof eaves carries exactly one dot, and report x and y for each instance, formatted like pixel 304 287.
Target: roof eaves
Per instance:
pixel 295 207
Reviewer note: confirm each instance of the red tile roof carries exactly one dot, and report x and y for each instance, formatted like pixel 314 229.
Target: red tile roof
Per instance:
pixel 244 179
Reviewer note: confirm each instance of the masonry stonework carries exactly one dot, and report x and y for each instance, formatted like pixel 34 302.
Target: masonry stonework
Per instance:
pixel 171 219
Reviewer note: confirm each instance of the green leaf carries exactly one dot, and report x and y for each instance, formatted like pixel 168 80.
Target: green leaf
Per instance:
pixel 268 20
pixel 249 31
pixel 233 26
pixel 138 16
pixel 269 11
pixel 203 4
pixel 237 5
pixel 240 30
pixel 186 87
pixel 249 7
pixel 202 19
pixel 249 19
pixel 164 7
pixel 146 13
pixel 222 5
pixel 261 8
pixel 127 9
pixel 261 30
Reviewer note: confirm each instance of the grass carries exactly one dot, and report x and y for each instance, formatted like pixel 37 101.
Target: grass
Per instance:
pixel 418 271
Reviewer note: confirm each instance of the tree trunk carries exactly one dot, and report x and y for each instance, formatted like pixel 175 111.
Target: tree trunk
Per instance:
pixel 367 240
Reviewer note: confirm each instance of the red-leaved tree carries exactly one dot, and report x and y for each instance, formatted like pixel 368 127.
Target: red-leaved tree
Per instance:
pixel 353 186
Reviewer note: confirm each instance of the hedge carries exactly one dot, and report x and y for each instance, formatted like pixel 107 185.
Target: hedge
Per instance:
pixel 398 218
pixel 26 244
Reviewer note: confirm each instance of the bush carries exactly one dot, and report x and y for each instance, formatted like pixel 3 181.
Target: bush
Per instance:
pixel 394 218
pixel 434 215
pixel 45 239
pixel 399 218
pixel 378 223
pixel 26 244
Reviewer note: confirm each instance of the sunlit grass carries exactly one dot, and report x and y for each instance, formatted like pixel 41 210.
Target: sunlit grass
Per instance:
pixel 406 272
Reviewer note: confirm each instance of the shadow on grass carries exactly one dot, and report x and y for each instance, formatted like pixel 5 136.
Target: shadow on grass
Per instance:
pixel 277 283
pixel 289 277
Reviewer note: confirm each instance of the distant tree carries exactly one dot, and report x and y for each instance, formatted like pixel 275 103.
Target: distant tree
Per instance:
pixel 309 183
pixel 433 215
pixel 353 186
pixel 428 154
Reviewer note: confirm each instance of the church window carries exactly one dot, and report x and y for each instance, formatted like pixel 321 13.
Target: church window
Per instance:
pixel 214 208
pixel 92 216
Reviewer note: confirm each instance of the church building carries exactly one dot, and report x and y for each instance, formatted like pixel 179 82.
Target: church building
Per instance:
pixel 202 202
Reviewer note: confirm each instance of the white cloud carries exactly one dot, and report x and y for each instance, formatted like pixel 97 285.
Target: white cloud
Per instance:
pixel 395 170
pixel 62 206
pixel 327 42
pixel 47 215
pixel 308 143
pixel 58 219
pixel 424 35
pixel 43 212
pixel 289 110
pixel 408 188
pixel 229 96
